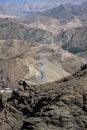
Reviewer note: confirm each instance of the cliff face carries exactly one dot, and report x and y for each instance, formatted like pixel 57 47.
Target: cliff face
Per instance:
pixel 59 105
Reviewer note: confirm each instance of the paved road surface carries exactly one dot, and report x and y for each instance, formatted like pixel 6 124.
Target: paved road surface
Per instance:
pixel 41 73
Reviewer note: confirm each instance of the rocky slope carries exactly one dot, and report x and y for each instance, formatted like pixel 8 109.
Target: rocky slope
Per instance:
pixel 73 40
pixel 38 21
pixel 65 12
pixel 17 57
pixel 59 105
pixel 10 29
pixel 52 25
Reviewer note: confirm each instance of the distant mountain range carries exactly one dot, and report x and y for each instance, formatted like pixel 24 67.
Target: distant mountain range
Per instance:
pixel 67 11
pixel 29 7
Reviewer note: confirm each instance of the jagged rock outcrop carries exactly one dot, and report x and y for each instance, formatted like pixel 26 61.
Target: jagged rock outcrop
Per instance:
pixel 60 105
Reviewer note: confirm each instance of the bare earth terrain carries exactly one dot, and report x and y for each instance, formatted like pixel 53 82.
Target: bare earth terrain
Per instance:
pixel 43 81
pixel 37 64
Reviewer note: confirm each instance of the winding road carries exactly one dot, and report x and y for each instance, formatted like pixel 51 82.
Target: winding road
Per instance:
pixel 41 73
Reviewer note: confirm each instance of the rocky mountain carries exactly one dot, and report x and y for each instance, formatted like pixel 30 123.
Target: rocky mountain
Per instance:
pixel 52 25
pixel 65 12
pixel 29 7
pixel 18 8
pixel 70 35
pixel 58 105
pixel 73 40
pixel 42 84
pixel 38 64
pixel 42 22
pixel 29 53
pixel 10 29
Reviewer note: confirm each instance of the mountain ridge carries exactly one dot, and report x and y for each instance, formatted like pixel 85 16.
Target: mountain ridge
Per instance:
pixel 73 39
pixel 67 11
pixel 23 8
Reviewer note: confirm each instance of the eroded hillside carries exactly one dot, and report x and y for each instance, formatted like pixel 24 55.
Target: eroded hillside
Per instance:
pixel 58 105
pixel 52 25
pixel 73 40
pixel 37 64
pixel 10 29
pixel 42 86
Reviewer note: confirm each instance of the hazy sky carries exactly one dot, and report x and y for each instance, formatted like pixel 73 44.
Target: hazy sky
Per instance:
pixel 31 0
pixel 43 0
pixel 19 0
